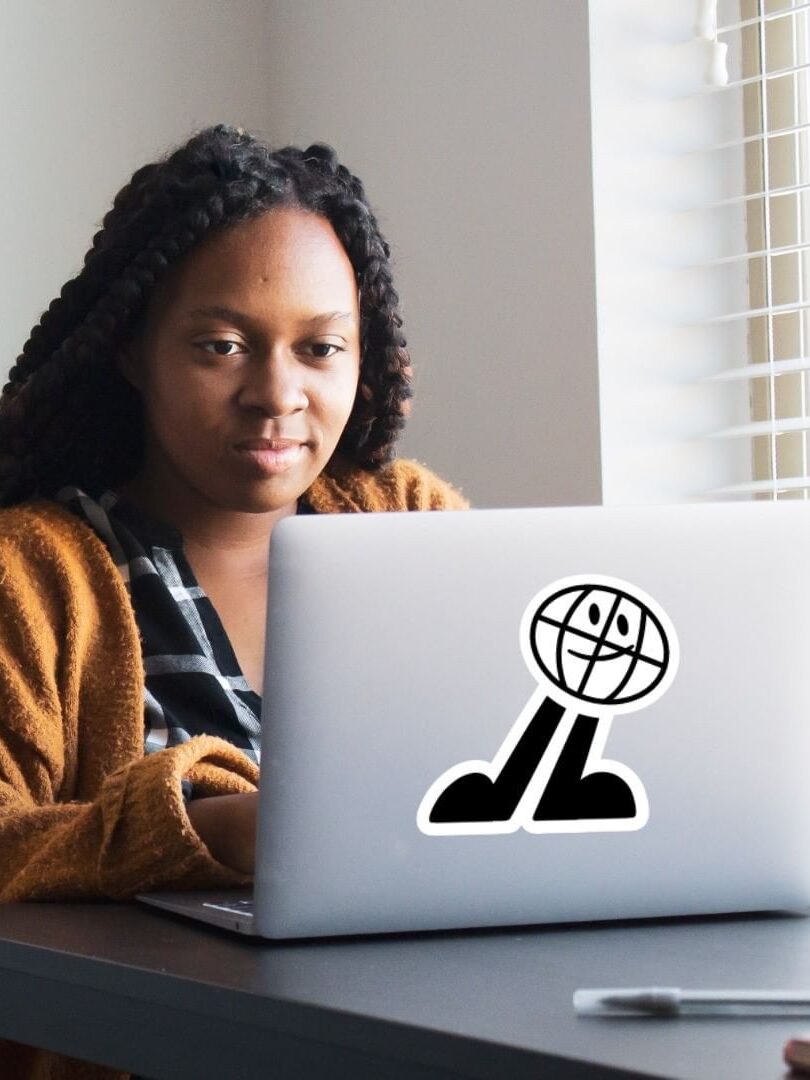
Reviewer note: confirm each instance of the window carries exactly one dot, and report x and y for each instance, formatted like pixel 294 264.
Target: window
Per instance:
pixel 769 63
pixel 702 216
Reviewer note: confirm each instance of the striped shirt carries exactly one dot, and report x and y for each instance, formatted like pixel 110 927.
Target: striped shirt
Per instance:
pixel 193 682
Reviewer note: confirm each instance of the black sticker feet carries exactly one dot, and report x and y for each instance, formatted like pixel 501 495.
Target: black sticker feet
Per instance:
pixel 570 796
pixel 476 797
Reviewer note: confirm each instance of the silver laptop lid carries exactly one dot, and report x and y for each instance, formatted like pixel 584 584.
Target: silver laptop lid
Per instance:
pixel 438 683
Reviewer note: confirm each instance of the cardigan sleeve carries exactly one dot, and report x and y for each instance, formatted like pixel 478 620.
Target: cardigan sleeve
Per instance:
pixel 133 836
pixel 83 814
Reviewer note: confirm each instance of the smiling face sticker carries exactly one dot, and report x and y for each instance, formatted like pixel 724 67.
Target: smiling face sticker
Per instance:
pixel 600 641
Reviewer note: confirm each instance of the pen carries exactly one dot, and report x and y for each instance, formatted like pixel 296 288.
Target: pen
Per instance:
pixel 671 1001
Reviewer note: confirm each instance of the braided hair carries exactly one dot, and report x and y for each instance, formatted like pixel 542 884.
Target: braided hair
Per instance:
pixel 67 415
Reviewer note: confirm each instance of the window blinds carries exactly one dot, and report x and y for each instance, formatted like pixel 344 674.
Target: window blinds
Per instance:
pixel 759 51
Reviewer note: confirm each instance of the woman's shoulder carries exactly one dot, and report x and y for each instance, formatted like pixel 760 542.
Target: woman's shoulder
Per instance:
pixel 402 484
pixel 43 539
pixel 40 522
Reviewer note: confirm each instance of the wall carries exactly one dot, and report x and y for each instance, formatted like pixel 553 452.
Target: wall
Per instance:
pixel 468 121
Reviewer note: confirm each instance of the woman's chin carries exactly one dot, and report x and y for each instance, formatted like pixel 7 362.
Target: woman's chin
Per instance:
pixel 263 496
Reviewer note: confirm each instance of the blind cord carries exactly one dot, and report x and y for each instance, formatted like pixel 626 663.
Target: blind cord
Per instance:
pixel 706 30
pixel 766 168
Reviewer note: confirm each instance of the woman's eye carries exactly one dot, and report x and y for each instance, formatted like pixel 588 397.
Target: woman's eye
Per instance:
pixel 326 345
pixel 221 347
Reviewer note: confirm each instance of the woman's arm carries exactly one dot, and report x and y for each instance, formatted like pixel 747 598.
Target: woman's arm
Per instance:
pixel 136 834
pixel 82 812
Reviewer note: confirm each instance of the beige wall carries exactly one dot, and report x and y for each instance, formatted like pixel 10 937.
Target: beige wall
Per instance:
pixel 468 121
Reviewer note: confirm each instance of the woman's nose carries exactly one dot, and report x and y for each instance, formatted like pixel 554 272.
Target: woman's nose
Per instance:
pixel 275 384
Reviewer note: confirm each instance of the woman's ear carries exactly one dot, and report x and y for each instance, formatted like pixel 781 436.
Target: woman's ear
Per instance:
pixel 127 361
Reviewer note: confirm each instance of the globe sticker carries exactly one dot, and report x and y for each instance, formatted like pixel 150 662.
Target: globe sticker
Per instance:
pixel 598 646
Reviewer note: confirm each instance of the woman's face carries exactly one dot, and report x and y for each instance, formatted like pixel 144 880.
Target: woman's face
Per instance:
pixel 252 339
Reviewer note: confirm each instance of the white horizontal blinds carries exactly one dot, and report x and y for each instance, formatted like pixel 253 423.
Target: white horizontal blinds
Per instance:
pixel 768 51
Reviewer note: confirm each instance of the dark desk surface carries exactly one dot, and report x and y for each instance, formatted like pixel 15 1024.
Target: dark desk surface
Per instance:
pixel 146 991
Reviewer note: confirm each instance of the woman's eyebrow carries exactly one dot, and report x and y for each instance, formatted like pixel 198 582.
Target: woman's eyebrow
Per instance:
pixel 216 311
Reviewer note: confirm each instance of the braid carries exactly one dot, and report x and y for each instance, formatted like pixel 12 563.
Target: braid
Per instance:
pixel 65 380
pixel 378 419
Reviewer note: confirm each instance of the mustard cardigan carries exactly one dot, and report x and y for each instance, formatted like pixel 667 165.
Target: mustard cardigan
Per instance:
pixel 83 813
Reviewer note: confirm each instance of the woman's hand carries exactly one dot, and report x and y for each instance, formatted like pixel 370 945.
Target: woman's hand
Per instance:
pixel 227 826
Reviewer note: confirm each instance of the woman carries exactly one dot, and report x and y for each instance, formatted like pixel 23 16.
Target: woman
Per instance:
pixel 229 354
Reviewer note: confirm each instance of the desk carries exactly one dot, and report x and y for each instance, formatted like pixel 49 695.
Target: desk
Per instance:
pixel 146 991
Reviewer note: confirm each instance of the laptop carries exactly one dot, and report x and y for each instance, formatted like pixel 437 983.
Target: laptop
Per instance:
pixel 521 716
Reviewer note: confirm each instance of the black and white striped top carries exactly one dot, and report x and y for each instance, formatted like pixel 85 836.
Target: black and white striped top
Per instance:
pixel 193 682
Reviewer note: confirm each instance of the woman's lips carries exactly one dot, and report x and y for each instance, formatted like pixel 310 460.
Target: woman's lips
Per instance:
pixel 266 444
pixel 270 461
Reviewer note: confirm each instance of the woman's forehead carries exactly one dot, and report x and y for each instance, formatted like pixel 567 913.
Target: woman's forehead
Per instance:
pixel 285 258
pixel 281 239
